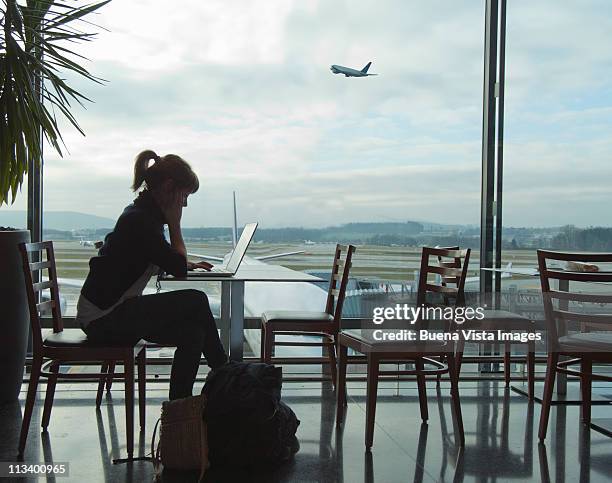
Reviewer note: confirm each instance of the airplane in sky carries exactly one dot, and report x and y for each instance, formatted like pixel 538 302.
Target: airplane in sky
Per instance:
pixel 348 72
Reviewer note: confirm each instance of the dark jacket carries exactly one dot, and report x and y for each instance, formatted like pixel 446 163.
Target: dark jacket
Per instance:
pixel 136 241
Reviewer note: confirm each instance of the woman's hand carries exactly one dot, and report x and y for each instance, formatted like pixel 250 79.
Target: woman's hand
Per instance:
pixel 194 265
pixel 173 210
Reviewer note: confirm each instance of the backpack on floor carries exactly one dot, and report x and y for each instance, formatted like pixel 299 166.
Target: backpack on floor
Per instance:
pixel 248 426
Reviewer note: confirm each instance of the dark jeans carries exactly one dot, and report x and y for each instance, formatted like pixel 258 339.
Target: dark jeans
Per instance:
pixel 181 318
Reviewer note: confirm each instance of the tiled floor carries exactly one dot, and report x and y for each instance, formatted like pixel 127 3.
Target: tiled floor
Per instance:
pixel 501 438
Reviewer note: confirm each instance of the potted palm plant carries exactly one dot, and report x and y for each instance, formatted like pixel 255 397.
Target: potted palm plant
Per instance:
pixel 36 38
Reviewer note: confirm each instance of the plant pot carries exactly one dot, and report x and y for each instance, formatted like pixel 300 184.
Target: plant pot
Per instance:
pixel 14 315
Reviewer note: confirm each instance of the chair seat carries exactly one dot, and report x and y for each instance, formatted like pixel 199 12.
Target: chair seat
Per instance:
pixel 372 339
pixel 590 341
pixel 501 319
pixel 295 316
pixel 75 338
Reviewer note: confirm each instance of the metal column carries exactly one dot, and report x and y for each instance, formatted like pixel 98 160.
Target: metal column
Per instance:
pixel 492 146
pixel 501 79
pixel 35 205
pixel 35 197
pixel 492 160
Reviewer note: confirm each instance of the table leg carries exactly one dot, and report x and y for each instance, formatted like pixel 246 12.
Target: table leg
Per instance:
pixel 237 320
pixel 224 324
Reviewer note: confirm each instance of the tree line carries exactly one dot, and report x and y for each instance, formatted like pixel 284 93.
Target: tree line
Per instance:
pixel 409 234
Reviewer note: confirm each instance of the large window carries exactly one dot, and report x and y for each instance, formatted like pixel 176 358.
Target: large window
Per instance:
pixel 558 130
pixel 245 93
pixel 558 124
pixel 557 138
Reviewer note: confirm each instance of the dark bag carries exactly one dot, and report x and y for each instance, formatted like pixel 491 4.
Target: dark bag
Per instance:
pixel 248 425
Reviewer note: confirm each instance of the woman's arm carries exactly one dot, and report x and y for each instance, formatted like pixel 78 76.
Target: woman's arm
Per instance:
pixel 176 239
pixel 173 213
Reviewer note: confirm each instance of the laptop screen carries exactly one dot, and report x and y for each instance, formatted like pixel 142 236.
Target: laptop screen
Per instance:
pixel 241 247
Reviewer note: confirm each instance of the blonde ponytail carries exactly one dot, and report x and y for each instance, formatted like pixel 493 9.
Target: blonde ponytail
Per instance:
pixel 165 167
pixel 140 167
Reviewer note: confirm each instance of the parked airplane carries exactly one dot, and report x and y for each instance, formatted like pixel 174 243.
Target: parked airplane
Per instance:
pixel 348 72
pixel 87 243
pixel 261 296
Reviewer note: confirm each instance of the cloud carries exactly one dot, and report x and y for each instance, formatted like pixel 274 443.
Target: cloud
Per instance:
pixel 243 91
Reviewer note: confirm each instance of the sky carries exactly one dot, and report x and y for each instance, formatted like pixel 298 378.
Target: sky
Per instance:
pixel 242 90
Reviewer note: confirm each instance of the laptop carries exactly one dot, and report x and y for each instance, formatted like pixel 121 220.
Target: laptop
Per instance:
pixel 235 259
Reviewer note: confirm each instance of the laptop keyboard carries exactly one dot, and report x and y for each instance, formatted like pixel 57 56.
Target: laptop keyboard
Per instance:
pixel 203 270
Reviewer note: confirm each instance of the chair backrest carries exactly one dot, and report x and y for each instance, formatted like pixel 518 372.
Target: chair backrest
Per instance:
pixel 452 268
pixel 338 281
pixel 46 282
pixel 449 263
pixel 587 307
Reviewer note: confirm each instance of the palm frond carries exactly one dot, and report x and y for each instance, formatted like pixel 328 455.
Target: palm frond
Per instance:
pixel 35 53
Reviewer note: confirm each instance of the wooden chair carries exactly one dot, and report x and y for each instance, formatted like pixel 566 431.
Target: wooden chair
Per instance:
pixel 71 346
pixel 418 352
pixel 496 320
pixel 321 324
pixel 445 280
pixel 585 307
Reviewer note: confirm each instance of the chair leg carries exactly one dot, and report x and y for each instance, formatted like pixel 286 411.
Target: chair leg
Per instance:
pixel 268 344
pixel 51 382
pixel 422 388
pixel 111 374
pixel 544 468
pixel 341 387
pixel 372 389
pixel 549 384
pixel 507 363
pixel 29 407
pixel 586 369
pixel 333 364
pixel 128 364
pixel 531 369
pixel 454 380
pixel 439 376
pixel 459 355
pixel 101 383
pixel 262 340
pixel 142 387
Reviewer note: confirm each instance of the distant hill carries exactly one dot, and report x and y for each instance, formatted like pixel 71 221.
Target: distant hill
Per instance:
pixel 72 225
pixel 57 220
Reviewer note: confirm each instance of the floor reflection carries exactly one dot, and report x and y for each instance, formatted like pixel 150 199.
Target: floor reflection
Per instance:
pixel 501 442
pixel 491 455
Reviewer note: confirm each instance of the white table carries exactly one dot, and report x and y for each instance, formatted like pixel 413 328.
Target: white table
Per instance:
pixel 232 296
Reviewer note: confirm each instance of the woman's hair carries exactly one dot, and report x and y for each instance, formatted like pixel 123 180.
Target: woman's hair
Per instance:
pixel 165 167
